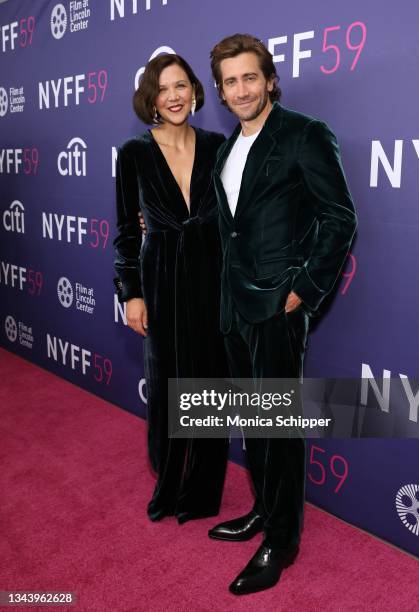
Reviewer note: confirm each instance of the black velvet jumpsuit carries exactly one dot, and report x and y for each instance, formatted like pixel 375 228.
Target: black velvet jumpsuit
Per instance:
pixel 176 270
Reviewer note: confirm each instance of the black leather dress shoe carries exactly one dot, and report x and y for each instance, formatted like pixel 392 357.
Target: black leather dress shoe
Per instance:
pixel 238 530
pixel 263 570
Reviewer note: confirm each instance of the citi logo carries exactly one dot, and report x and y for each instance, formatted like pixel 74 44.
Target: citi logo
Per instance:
pixel 14 218
pixel 72 161
pixel 4 102
pixel 407 506
pixel 58 21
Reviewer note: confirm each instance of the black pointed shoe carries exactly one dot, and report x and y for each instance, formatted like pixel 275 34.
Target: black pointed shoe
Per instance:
pixel 263 570
pixel 239 529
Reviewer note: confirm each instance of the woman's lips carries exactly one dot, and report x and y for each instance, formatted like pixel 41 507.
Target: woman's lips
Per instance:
pixel 176 108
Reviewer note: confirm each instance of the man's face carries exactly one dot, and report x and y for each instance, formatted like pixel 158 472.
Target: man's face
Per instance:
pixel 244 86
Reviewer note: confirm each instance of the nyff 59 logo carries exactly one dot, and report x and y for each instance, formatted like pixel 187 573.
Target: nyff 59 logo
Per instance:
pixel 21 278
pixel 118 6
pixel 18 34
pixel 72 89
pixel 79 359
pixel 78 230
pixel 19 161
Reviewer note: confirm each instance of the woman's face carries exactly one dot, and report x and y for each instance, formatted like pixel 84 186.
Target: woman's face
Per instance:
pixel 174 100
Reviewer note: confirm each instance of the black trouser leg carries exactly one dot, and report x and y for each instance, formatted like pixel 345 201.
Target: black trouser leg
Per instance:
pixel 273 349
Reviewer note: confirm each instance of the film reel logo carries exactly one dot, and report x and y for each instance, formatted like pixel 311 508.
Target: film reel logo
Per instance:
pixel 407 505
pixel 4 102
pixel 10 328
pixel 58 21
pixel 65 292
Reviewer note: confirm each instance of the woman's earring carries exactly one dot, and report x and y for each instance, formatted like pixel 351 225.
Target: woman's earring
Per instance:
pixel 155 116
pixel 193 107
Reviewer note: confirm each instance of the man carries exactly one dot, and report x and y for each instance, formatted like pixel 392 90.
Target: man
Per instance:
pixel 286 220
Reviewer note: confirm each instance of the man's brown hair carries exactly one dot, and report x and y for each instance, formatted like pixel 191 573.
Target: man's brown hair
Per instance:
pixel 244 43
pixel 144 99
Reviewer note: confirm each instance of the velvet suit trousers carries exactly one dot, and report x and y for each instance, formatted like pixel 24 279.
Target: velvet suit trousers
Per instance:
pixel 273 349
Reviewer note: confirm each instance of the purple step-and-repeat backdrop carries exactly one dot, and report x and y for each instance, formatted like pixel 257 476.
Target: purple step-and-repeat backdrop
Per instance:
pixel 67 74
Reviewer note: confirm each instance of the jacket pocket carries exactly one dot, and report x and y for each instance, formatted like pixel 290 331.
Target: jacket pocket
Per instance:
pixel 273 164
pixel 276 266
pixel 297 259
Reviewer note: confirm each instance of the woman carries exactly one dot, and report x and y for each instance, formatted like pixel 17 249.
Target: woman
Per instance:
pixel 171 282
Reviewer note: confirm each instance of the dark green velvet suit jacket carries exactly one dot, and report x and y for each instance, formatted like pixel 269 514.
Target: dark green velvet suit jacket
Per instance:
pixel 294 220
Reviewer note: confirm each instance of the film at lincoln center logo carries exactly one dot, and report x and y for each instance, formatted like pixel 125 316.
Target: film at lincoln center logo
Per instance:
pixel 407 505
pixel 82 296
pixel 4 102
pixel 58 21
pixel 75 18
pixel 10 328
pixel 65 292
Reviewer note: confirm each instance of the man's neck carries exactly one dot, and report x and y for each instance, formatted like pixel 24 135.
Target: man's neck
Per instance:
pixel 255 125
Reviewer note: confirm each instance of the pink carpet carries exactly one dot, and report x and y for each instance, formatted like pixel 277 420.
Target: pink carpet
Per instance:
pixel 74 487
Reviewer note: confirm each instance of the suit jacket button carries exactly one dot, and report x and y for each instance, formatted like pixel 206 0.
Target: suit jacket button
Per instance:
pixel 233 234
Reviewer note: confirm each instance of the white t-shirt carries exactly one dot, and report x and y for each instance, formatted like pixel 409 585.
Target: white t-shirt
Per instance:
pixel 232 172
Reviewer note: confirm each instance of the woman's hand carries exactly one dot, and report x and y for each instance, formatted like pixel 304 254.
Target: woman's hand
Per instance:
pixel 136 313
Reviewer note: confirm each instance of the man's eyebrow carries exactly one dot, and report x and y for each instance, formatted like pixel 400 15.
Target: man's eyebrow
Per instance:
pixel 246 74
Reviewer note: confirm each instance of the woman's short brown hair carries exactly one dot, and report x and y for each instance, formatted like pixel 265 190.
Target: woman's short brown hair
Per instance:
pixel 145 96
pixel 244 43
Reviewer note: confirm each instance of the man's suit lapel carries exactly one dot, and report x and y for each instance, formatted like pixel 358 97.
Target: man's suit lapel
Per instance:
pixel 258 154
pixel 219 165
pixel 225 149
